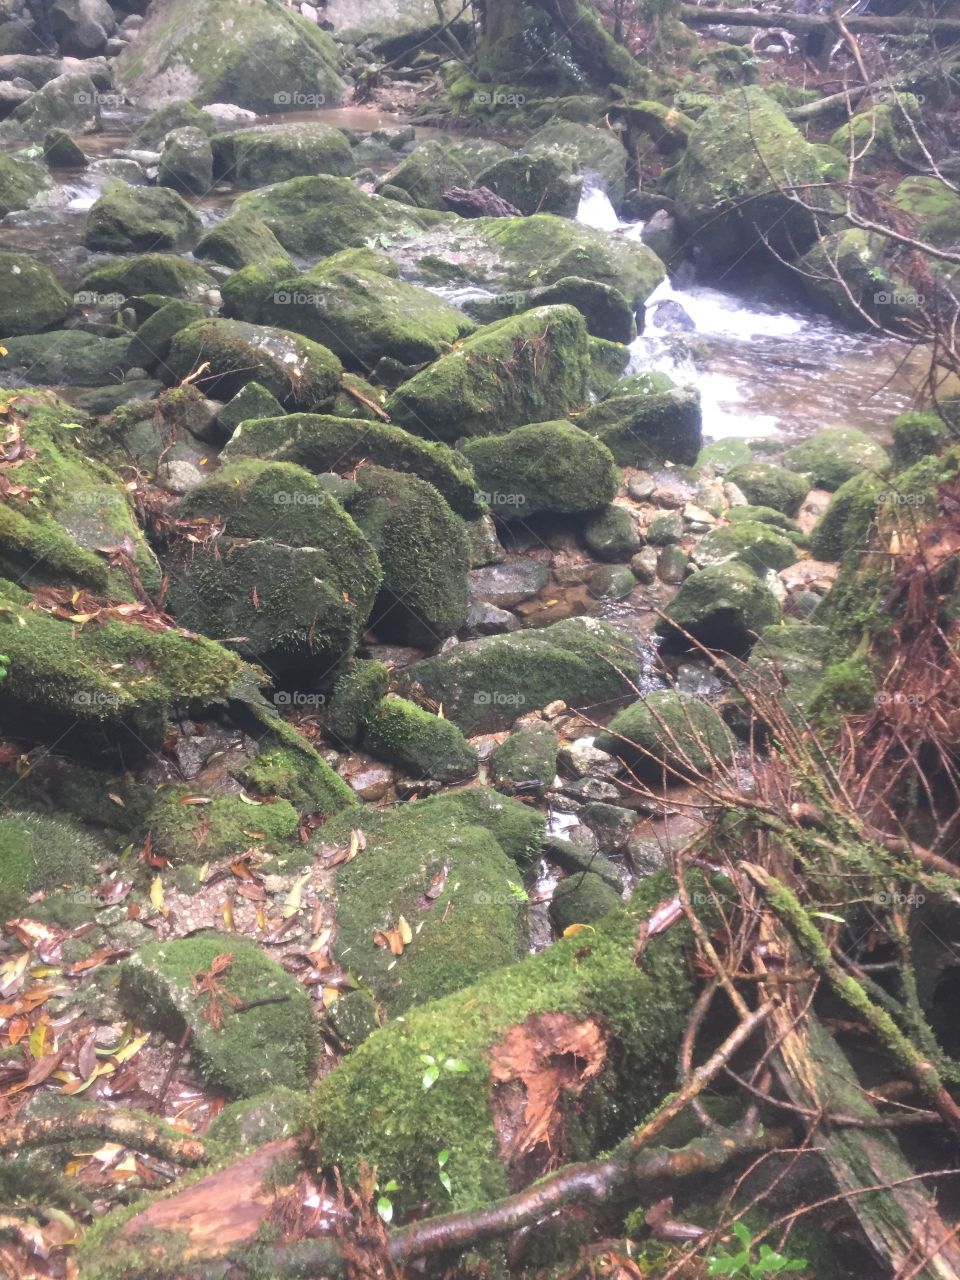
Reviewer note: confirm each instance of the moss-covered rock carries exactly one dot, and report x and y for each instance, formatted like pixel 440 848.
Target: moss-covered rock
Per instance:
pixel 423 550
pixel 582 899
pixel 66 357
pixel 139 219
pixel 356 695
pixel 269 1116
pixel 430 169
pixel 30 297
pixel 934 206
pixel 857 277
pixel 611 534
pixel 722 606
pixel 548 466
pixel 529 368
pixel 69 101
pixel 917 436
pixel 71 509
pixel 207 52
pixel 846 522
pixel 535 184
pixel 251 401
pixel 240 240
pixel 881 135
pixel 20 181
pixel 836 454
pixel 585 148
pixel 318 216
pixel 39 851
pixel 487 683
pixel 220 826
pixel 733 186
pixel 178 114
pixel 757 544
pixel 353 303
pixel 322 444
pixel 243 1051
pixel 419 742
pixel 290 767
pixel 300 373
pixel 668 732
pixel 373 1107
pixel 186 162
pixel 150 345
pixel 270 153
pixel 150 273
pixel 526 761
pixel 647 421
pixel 766 485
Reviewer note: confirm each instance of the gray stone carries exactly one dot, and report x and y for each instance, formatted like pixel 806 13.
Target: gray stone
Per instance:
pixel 509 583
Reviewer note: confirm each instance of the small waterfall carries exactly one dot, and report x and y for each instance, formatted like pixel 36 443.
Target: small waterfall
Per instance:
pixel 595 208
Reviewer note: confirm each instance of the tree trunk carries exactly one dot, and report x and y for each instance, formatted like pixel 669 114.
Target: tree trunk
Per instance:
pixel 804 24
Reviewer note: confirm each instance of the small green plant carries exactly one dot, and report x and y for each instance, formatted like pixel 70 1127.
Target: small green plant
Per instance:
pixel 432 1073
pixel 442 1159
pixel 739 1265
pixel 384 1203
pixel 4 665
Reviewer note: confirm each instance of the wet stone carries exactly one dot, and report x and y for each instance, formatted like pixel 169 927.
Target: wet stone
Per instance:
pixel 508 584
pixel 581 758
pixel 672 565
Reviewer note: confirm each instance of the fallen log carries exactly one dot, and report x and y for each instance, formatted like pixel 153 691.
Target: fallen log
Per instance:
pixel 806 23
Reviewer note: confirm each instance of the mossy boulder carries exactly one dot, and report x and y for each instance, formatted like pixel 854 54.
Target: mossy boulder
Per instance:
pixel 240 240
pixel 846 522
pixel 69 101
pixel 764 484
pixel 150 345
pixel 419 742
pixel 668 733
pixel 424 552
pixel 611 534
pixel 288 766
pixel 837 454
pixel 276 152
pixel 430 169
pixel 529 368
pixel 150 273
pixel 186 827
pixel 756 544
pixel 71 509
pixel 300 373
pixel 178 114
pixel 787 664
pixel 186 162
pixel 41 851
pixel 934 206
pixel 242 1051
pixel 322 444
pixel 320 215
pixel 66 357
pixel 251 401
pixel 354 303
pixel 722 606
pixel 451 881
pixel 526 761
pixel 647 421
pixel 109 688
pixel 858 277
pixel 356 695
pixel 31 299
pixel 734 184
pixel 486 683
pixel 585 148
pixel 373 1107
pixel 208 52
pixel 548 466
pixel 535 184
pixel 917 436
pixel 881 135
pixel 20 181
pixel 582 899
pixel 139 219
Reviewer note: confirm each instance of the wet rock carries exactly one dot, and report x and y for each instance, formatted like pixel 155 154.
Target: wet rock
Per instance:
pixel 661 234
pixel 70 101
pixel 585 148
pixel 426 173
pixel 583 757
pixel 31 299
pixel 419 742
pixel 268 153
pixel 242 240
pixel 767 485
pixel 581 853
pixel 672 490
pixel 672 564
pixel 61 152
pixel 82 27
pixel 757 545
pixel 66 358
pixel 485 546
pixel 696 520
pixel 611 534
pixel 611 582
pixel 722 606
pixel 487 620
pixel 647 421
pixel 668 733
pixel 186 162
pixel 581 899
pixel 640 486
pixel 591 789
pixel 644 565
pixel 131 219
pixel 652 842
pixel 610 823
pixel 665 529
pixel 371 782
pixel 36 69
pixel 535 184
pixel 12 93
pixel 830 457
pixel 526 762
pixel 150 345
pixel 508 583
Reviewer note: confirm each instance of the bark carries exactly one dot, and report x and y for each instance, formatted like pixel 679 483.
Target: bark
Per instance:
pixel 805 24
pixel 480 202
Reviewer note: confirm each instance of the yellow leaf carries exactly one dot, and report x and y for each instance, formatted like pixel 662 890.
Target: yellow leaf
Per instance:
pixel 111 795
pixel 40 1039
pixel 227 912
pixel 157 896
pixel 440 711
pixel 406 933
pixel 572 930
pixel 295 896
pixel 129 1050
pixel 330 996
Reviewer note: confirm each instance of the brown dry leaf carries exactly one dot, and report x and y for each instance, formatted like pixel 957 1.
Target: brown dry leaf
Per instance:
pixel 396 939
pixel 540 1063
pixel 97 958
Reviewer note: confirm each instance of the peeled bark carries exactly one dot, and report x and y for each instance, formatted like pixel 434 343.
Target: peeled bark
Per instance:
pixel 804 24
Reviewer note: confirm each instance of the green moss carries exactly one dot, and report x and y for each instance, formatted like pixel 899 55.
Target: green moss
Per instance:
pixel 150 345
pixel 173 115
pixel 139 219
pixel 648 422
pixel 611 534
pixel 221 826
pixel 300 373
pixel 535 184
pixel 880 135
pixel 845 523
pixel 487 683
pixel 19 183
pixel 419 742
pixel 581 899
pixel 240 240
pixel 276 1113
pixel 322 444
pixel 755 543
pixel 270 153
pixel 549 466
pixel 38 851
pixel 916 436
pixel 424 553
pixel 766 485
pixel 355 697
pixel 528 368
pixel 289 766
pixel 430 169
pixel 722 606
pixel 608 364
pixel 671 732
pixel 159 273
pixel 254 1049
pixel 934 206
pixel 373 1106
pixel 846 687
pixel 835 455
pixel 30 297
pixel 527 760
